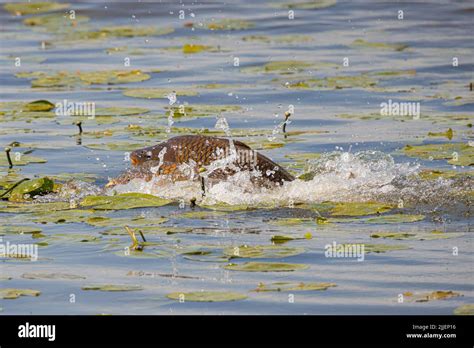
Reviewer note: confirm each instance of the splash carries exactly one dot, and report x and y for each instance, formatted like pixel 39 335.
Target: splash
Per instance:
pixel 337 176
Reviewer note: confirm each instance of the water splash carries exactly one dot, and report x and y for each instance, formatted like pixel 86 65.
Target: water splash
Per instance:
pixel 338 176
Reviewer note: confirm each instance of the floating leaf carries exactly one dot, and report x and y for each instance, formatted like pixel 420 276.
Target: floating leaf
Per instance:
pixel 34 207
pixel 194 48
pixel 360 208
pixel 467 309
pixel 333 82
pixel 206 254
pixel 433 235
pixel 39 105
pixel 61 217
pixel 287 67
pixel 5 229
pixel 20 160
pixel 382 248
pixel 230 24
pixel 379 45
pixel 261 251
pixel 119 31
pixel 57 22
pixel 432 296
pixel 265 267
pixel 45 275
pixel 9 293
pixel 113 287
pixel 138 221
pixel 28 189
pixel 456 154
pixel 383 219
pixel 447 134
pixel 201 110
pixel 309 5
pixel 293 286
pixel 206 296
pixel 281 239
pixel 290 221
pixel 123 201
pixel 34 7
pixel 158 93
pixel 202 214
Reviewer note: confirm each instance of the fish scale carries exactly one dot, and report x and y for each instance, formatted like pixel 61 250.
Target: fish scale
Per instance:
pixel 203 150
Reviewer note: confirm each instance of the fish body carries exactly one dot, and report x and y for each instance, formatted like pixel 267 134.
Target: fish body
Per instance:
pixel 191 157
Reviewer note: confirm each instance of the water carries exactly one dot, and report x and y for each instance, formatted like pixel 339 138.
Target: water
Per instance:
pixel 361 159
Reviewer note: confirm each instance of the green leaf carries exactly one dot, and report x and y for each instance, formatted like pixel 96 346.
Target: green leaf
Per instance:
pixel 293 286
pixel 45 275
pixel 431 296
pixel 457 154
pixel 123 201
pixel 309 5
pixel 10 293
pixel 467 309
pixel 206 296
pixel 34 7
pixel 20 160
pixel 379 45
pixel 5 229
pixel 28 189
pixel 360 208
pixel 39 105
pixel 230 24
pixel 158 93
pixel 265 267
pixel 433 235
pixel 113 287
pixel 261 251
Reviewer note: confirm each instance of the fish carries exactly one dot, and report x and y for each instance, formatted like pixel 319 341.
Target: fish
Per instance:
pixel 193 157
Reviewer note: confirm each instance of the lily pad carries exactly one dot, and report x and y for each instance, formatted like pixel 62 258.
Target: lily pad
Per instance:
pixel 360 208
pixel 45 275
pixel 287 67
pixel 431 296
pixel 39 105
pixel 138 221
pixel 201 110
pixel 309 5
pixel 206 296
pixel 6 229
pixel 195 48
pixel 123 201
pixel 230 24
pixel 332 82
pixel 120 31
pixel 456 154
pixel 61 217
pixel 20 160
pixel 34 7
pixel 293 286
pixel 467 309
pixel 261 251
pixel 447 134
pixel 379 45
pixel 57 22
pixel 113 287
pixel 28 189
pixel 9 293
pixel 158 93
pixel 290 221
pixel 382 248
pixel 383 219
pixel 265 267
pixel 206 254
pixel 433 235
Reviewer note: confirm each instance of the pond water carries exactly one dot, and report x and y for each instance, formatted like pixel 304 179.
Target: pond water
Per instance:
pixel 393 178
